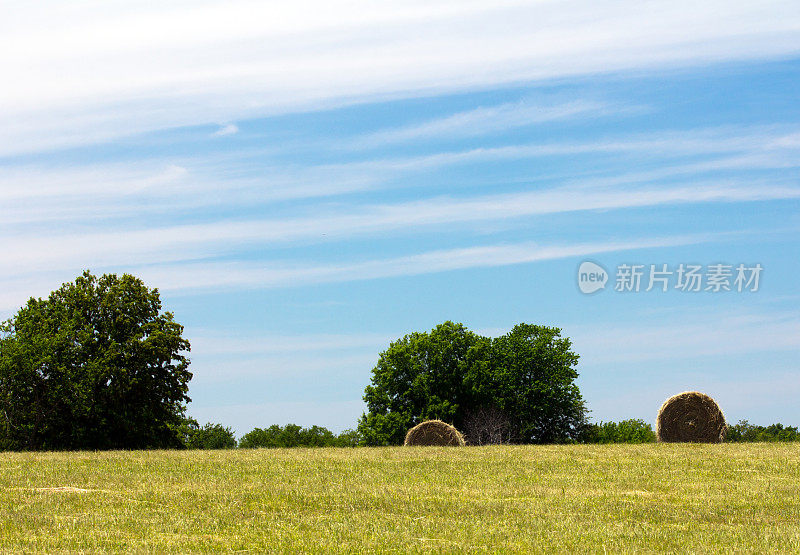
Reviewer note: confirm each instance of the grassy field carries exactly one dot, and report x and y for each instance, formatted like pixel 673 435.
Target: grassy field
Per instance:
pixel 532 498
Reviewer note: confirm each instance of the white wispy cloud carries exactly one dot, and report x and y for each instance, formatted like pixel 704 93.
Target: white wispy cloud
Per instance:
pixel 487 119
pixel 759 145
pixel 229 129
pixel 89 75
pixel 37 251
pixel 110 181
pixel 192 277
pixel 200 276
pixel 37 194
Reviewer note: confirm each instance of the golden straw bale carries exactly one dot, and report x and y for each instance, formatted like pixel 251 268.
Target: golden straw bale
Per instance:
pixel 434 432
pixel 690 416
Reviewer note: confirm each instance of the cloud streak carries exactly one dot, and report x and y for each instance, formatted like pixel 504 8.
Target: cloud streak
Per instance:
pixel 196 241
pixel 193 277
pixel 199 277
pixel 85 193
pixel 225 130
pixel 92 75
pixel 485 120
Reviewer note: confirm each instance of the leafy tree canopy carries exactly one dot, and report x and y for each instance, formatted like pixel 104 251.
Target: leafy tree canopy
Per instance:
pixel 96 365
pixel 526 377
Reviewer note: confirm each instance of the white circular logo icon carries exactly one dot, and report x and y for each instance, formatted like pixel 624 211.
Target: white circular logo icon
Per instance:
pixel 591 277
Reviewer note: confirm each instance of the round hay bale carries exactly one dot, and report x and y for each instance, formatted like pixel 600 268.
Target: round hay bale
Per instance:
pixel 434 432
pixel 690 416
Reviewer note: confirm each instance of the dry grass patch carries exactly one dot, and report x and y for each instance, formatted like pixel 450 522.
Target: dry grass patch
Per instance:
pixel 565 498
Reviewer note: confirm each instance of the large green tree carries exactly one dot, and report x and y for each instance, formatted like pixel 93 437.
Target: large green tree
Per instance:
pixel 519 387
pixel 531 379
pixel 96 365
pixel 419 377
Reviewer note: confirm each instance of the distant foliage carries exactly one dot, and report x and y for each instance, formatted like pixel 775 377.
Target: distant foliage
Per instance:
pixel 183 430
pixel 211 436
pixel 293 435
pixel 746 432
pixel 626 431
pixel 349 438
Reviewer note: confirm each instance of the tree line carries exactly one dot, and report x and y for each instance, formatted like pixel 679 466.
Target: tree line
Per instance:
pixel 99 365
pixel 217 436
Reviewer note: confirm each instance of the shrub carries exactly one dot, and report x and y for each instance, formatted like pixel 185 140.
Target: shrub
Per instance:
pixel 316 436
pixel 349 438
pixel 259 437
pixel 746 432
pixel 293 435
pixel 211 436
pixel 184 430
pixel 626 431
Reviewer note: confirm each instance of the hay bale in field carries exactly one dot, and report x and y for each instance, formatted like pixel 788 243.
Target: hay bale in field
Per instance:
pixel 690 416
pixel 434 432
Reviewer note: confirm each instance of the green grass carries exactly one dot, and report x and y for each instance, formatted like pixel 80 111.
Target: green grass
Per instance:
pixel 532 498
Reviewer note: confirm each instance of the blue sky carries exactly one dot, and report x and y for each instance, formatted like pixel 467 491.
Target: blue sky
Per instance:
pixel 306 183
